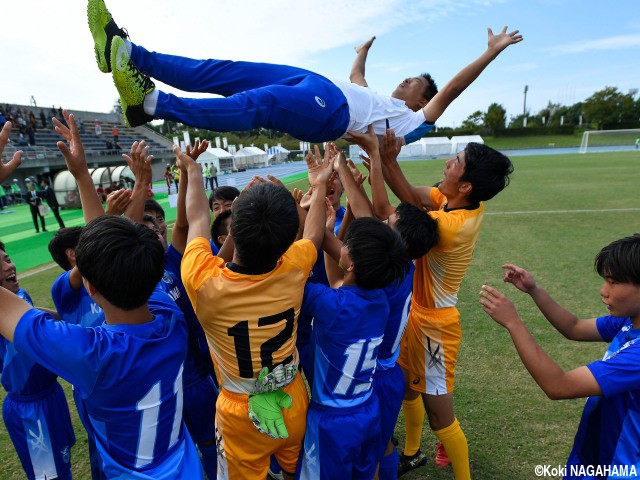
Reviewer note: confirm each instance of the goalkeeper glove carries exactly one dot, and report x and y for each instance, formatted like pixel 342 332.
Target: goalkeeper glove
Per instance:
pixel 266 414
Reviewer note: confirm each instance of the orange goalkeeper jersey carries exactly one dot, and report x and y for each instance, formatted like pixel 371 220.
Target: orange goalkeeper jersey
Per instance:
pixel 439 273
pixel 250 320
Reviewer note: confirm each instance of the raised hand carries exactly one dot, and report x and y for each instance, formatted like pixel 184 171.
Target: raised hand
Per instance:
pixel 357 174
pixel 118 201
pixel 502 40
pixel 390 148
pixel 365 46
pixel 519 277
pixel 330 215
pixel 368 141
pixel 198 148
pixel 140 162
pixel 73 153
pixel 8 168
pixel 319 168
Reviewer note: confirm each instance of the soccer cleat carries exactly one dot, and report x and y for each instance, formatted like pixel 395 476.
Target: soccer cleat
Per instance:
pixel 275 476
pixel 103 29
pixel 442 459
pixel 407 463
pixel 133 85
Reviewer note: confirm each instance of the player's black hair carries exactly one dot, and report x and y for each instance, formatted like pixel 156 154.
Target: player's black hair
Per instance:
pixel 264 223
pixel 218 227
pixel 224 193
pixel 418 230
pixel 150 205
pixel 2 247
pixel 122 259
pixel 378 253
pixel 431 89
pixel 64 239
pixel 487 170
pixel 620 260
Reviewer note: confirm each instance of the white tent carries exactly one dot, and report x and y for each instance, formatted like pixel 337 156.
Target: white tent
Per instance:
pixel 222 159
pixel 278 154
pixel 436 145
pixel 458 144
pixel 250 157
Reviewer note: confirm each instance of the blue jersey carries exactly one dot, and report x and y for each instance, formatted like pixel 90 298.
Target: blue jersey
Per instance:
pixel 399 297
pixel 348 326
pixel 21 374
pixel 318 275
pixel 198 363
pixel 130 377
pixel 609 431
pixel 75 306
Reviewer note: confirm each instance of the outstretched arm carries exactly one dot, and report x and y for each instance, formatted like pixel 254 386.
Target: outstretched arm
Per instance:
pixel 13 308
pixel 8 168
pixel 555 382
pixel 357 199
pixel 564 321
pixel 319 173
pixel 465 77
pixel 393 175
pixel 382 208
pixel 140 164
pixel 181 226
pixel 77 165
pixel 196 201
pixel 357 69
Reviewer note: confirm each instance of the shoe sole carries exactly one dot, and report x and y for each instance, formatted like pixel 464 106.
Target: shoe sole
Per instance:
pixel 99 17
pixel 128 97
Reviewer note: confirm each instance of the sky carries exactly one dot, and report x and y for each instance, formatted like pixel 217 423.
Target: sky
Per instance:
pixel 571 48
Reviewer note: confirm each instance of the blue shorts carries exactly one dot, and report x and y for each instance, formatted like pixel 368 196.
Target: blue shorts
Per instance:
pixel 388 387
pixel 41 431
pixel 199 410
pixel 341 442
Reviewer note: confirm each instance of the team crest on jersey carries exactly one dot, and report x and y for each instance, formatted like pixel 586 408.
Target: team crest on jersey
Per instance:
pixel 167 278
pixel 321 102
pixel 66 454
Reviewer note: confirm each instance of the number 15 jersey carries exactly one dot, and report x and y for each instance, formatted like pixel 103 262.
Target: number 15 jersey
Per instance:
pixel 250 320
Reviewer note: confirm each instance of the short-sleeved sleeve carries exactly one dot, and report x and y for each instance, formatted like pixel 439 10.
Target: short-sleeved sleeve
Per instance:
pixel 608 326
pixel 321 303
pixel 198 264
pixel 70 351
pixel 620 373
pixel 303 254
pixel 64 297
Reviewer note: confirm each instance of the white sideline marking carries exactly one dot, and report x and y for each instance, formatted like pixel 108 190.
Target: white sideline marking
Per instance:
pixel 565 211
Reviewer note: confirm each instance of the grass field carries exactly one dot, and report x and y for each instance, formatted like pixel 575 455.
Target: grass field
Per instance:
pixel 553 218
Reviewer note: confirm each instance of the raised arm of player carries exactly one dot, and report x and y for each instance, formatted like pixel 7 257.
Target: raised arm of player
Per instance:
pixel 8 168
pixel 13 308
pixel 360 205
pixel 181 225
pixel 319 173
pixel 196 201
pixel 382 208
pixel 393 175
pixel 564 321
pixel 140 164
pixel 357 69
pixel 555 382
pixel 77 164
pixel 465 77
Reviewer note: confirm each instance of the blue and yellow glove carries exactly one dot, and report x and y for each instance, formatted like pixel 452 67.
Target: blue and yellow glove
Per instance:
pixel 266 414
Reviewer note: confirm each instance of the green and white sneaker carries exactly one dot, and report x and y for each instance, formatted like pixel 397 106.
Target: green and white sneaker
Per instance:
pixel 133 85
pixel 103 28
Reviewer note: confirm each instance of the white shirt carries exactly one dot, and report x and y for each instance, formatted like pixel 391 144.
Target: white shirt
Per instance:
pixel 367 107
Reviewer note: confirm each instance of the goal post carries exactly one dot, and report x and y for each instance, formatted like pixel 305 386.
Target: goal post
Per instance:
pixel 629 138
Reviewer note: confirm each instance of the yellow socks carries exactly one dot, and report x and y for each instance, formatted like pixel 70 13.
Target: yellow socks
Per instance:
pixel 455 443
pixel 413 420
